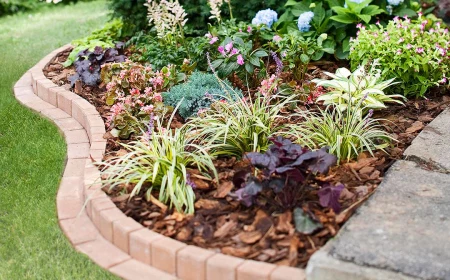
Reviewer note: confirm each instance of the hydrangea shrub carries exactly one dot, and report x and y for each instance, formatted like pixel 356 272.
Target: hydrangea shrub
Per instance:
pixel 412 51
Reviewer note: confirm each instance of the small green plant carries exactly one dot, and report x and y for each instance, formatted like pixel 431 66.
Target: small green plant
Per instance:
pixel 361 86
pixel 237 56
pixel 241 126
pixel 347 134
pixel 298 51
pixel 197 94
pixel 104 37
pixel 414 52
pixel 159 161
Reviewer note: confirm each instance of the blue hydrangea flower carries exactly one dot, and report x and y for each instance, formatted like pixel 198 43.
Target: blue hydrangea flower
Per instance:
pixel 304 20
pixel 267 17
pixel 394 2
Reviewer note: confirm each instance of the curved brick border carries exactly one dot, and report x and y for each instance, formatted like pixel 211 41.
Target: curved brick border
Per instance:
pixel 100 230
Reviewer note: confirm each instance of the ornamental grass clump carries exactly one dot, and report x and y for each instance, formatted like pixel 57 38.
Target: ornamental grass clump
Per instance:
pixel 159 161
pixel 238 127
pixel 361 86
pixel 347 134
pixel 412 51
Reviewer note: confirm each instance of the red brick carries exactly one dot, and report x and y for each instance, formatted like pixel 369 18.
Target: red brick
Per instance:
pixel 191 263
pixel 40 106
pixel 97 155
pixel 94 131
pixel 78 150
pixel 55 114
pixel 76 136
pixel 122 229
pixel 79 230
pixel 24 81
pixel 135 270
pixel 21 91
pixel 78 110
pixel 96 205
pixel 141 244
pixel 222 267
pixel 26 99
pixel 103 252
pixel 164 254
pixel 64 99
pixel 95 137
pixel 69 207
pixel 74 167
pixel 251 270
pixel 71 187
pixel 288 273
pixel 98 145
pixel 68 124
pixel 42 89
pixel 105 221
pixel 53 95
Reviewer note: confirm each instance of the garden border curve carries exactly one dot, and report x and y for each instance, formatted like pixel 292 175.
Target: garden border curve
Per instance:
pixel 92 222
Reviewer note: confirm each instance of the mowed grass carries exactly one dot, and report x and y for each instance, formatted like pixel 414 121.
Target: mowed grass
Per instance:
pixel 32 152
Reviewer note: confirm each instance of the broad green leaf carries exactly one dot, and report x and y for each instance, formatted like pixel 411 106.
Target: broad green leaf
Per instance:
pixel 365 18
pixel 344 19
pixel 304 58
pixel 260 53
pixel 255 61
pixel 303 223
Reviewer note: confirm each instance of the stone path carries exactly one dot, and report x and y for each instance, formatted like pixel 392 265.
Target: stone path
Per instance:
pixel 403 231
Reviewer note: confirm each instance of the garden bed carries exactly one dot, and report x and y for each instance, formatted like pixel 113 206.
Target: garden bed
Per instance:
pixel 264 232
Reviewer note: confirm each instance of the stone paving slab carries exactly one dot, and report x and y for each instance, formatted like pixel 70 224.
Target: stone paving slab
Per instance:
pixel 432 144
pixel 404 227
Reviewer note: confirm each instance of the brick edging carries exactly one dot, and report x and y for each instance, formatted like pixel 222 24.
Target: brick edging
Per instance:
pixel 92 222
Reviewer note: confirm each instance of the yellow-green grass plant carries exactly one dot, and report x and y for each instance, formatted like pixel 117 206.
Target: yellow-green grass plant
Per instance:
pixel 240 125
pixel 160 159
pixel 347 133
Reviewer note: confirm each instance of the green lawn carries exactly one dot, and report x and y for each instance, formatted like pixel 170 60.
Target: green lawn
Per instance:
pixel 32 152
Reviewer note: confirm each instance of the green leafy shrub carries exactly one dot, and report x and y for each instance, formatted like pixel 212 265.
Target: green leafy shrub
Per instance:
pixel 198 93
pixel 104 38
pixel 361 86
pixel 133 13
pixel 347 134
pixel 238 127
pixel 413 52
pixel 298 51
pixel 160 161
pixel 338 18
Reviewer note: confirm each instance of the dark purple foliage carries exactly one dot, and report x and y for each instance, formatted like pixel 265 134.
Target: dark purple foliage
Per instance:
pixel 286 168
pixel 88 64
pixel 329 196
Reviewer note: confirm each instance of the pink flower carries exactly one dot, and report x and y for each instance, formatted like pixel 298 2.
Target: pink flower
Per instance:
pixel 442 51
pixel 229 46
pixel 208 35
pixel 186 61
pixel 249 29
pixel 148 90
pixel 240 60
pixel 234 51
pixel 213 40
pixel 221 49
pixel 283 54
pixel 122 74
pixel 148 109
pixel 276 38
pixel 419 50
pixel 135 91
pixel 117 108
pixel 399 51
pixel 409 46
pixel 396 19
pixel 420 14
pixel 378 23
pixel 110 85
pixel 157 97
pixel 444 80
pixel 401 40
pixel 359 25
pixel 445 31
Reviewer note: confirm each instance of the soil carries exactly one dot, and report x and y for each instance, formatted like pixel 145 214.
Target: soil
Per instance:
pixel 263 232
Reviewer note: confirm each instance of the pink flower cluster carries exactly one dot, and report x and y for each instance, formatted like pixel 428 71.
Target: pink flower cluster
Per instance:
pixel 268 86
pixel 229 51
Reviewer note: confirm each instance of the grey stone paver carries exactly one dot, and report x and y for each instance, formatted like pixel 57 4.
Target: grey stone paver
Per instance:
pixel 404 227
pixel 433 143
